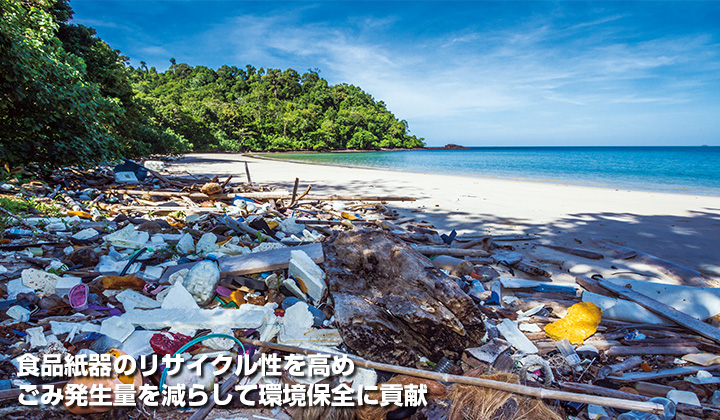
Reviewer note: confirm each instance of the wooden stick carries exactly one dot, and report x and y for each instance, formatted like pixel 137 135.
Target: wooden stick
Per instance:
pixel 224 184
pixel 19 219
pixel 579 252
pixel 485 383
pixel 453 252
pixel 331 222
pixel 474 242
pixel 165 179
pixel 706 330
pixel 294 193
pixel 247 173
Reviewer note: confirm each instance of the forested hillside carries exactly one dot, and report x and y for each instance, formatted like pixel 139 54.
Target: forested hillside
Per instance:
pixel 67 98
pixel 235 108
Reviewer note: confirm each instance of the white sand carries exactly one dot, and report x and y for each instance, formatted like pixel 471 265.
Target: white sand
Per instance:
pixel 684 229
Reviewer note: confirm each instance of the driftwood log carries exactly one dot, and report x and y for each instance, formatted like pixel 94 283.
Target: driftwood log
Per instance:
pixel 392 305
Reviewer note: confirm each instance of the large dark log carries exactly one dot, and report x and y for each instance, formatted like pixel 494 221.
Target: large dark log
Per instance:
pixel 392 305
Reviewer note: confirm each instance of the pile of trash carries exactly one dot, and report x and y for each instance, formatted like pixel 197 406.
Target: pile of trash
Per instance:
pixel 191 279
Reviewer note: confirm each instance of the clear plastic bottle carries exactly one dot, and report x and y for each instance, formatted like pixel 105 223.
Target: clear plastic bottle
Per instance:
pixel 568 351
pixel 639 415
pixel 202 280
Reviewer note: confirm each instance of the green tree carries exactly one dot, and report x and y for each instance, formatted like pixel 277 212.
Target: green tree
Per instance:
pixel 49 114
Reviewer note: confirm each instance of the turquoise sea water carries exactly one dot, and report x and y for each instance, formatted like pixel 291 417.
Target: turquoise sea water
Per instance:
pixel 690 170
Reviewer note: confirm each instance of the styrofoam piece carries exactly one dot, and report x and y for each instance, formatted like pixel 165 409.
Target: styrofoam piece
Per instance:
pixel 297 321
pixel 132 299
pixel 246 316
pixel 515 337
pixel 302 267
pixel 698 302
pixel 622 310
pixel 179 298
pixel 39 280
pixel 117 328
pixel 291 286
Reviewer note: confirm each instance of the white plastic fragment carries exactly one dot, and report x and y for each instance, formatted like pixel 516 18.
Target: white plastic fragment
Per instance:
pixel 86 234
pixel 15 287
pixel 138 343
pixel 65 283
pixel 18 313
pixel 179 298
pixel 304 269
pixel 154 165
pixel 246 316
pixel 186 244
pixel 132 299
pixel 532 328
pixel 39 280
pixel 207 244
pixel 291 286
pixel 59 328
pixel 622 310
pixel 36 337
pixel 126 178
pixel 220 343
pixel 515 337
pixel 154 272
pixel 117 328
pixel 685 397
pixel 127 237
pixel 291 227
pixel 178 276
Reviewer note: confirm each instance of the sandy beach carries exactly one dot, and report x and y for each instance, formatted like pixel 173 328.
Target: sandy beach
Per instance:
pixel 684 229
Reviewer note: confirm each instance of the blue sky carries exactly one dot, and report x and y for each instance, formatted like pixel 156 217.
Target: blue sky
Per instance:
pixel 474 73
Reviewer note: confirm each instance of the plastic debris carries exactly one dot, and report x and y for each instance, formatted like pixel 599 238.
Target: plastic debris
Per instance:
pixel 515 337
pixel 580 323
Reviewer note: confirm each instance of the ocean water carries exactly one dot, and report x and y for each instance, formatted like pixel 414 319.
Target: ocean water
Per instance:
pixel 689 170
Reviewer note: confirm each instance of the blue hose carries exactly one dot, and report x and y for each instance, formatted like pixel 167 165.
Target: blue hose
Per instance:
pixel 192 343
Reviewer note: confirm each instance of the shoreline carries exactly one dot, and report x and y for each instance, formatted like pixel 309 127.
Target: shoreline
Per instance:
pixel 588 184
pixel 678 227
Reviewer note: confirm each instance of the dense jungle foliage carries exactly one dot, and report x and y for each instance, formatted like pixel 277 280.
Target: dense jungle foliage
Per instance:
pixel 68 98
